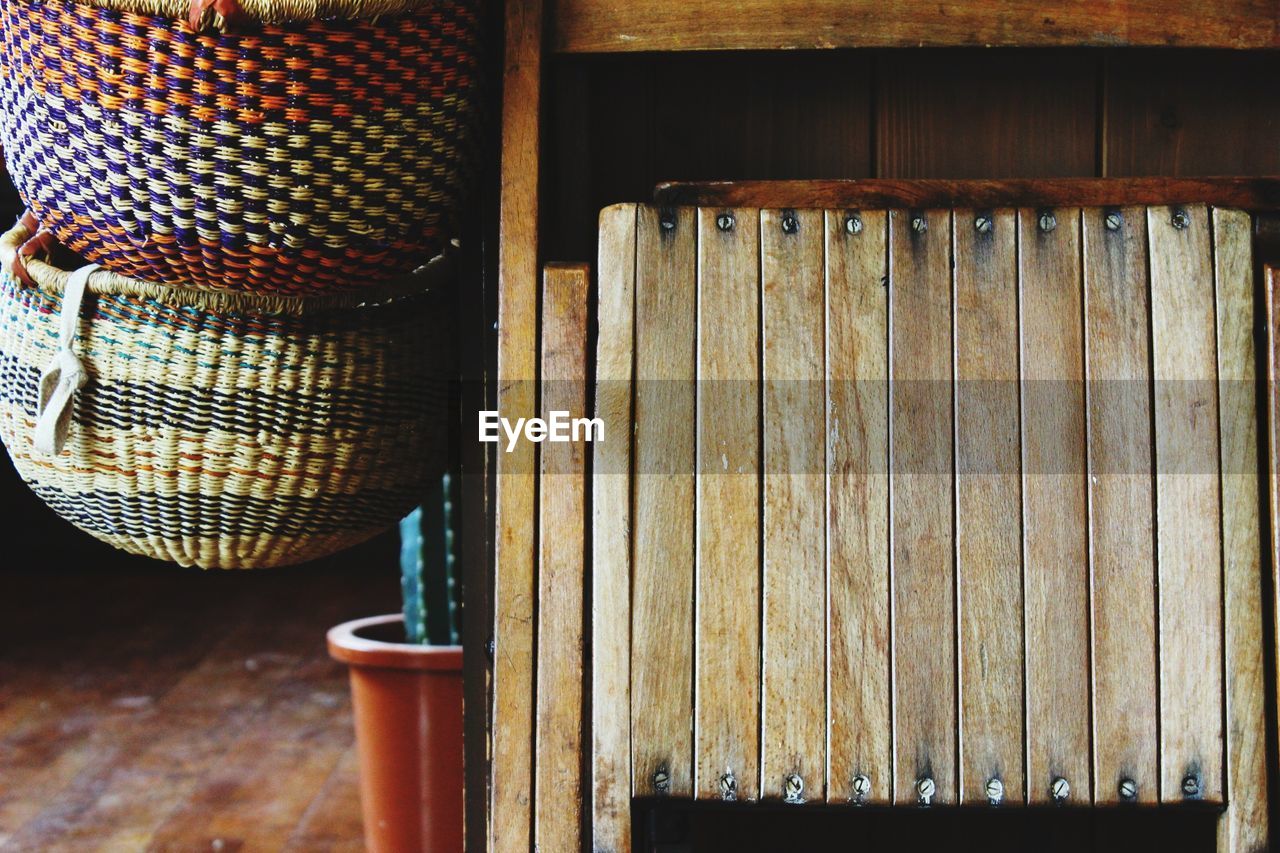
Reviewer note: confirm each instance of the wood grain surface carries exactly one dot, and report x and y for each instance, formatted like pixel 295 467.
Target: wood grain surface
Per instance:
pixel 991 121
pixel 1122 552
pixel 595 26
pixel 727 608
pixel 794 700
pixel 611 537
pixel 860 737
pixel 515 514
pixel 1188 520
pixel 1262 193
pixel 988 502
pixel 923 545
pixel 1245 827
pixel 663 501
pixel 1055 538
pixel 562 517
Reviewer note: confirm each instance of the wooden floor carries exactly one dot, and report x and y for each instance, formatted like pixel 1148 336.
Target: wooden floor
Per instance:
pixel 144 706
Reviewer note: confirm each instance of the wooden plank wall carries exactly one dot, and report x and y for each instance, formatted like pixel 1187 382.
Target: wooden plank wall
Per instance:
pixel 618 124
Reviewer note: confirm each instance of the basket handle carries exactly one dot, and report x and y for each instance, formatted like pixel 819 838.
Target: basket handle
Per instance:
pixel 66 373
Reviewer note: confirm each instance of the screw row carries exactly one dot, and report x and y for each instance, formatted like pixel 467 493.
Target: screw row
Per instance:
pixel 983 223
pixel 926 788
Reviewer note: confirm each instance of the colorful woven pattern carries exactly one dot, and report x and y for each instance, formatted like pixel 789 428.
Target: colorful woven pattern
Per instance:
pixel 289 158
pixel 227 440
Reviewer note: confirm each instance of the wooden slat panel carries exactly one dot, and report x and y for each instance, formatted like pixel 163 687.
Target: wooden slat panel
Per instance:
pixel 1122 554
pixel 1188 535
pixel 591 26
pixel 562 541
pixel 923 615
pixel 611 537
pixel 1054 516
pixel 988 505
pixel 929 118
pixel 727 607
pixel 860 739
pixel 794 708
pixel 514 487
pixel 1245 826
pixel 662 583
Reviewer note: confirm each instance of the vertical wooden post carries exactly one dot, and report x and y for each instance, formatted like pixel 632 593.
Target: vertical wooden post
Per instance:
pixel 514 494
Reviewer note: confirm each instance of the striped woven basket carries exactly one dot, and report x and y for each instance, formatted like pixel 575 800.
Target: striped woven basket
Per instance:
pixel 259 432
pixel 282 146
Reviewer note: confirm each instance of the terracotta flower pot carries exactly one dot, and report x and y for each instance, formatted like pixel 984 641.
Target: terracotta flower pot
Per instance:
pixel 407 702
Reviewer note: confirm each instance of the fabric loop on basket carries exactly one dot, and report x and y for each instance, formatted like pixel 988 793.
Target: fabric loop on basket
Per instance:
pixel 66 373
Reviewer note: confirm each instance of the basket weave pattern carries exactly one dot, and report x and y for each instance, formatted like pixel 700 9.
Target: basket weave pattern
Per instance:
pixel 309 156
pixel 230 439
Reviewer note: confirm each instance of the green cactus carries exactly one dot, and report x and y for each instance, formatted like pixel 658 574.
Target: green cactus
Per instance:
pixel 428 568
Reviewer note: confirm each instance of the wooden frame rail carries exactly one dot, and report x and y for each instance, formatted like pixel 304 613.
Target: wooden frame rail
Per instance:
pixel 1256 194
pixel 596 26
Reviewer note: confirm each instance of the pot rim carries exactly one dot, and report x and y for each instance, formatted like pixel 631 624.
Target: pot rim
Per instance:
pixel 345 646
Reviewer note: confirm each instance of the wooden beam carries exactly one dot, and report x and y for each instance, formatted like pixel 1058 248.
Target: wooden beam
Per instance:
pixel 1253 193
pixel 607 26
pixel 514 493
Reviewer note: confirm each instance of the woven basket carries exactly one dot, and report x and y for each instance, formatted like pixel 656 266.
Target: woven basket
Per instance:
pixel 303 148
pixel 233 438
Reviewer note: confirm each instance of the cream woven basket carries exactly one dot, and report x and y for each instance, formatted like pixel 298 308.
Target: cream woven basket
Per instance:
pixel 220 430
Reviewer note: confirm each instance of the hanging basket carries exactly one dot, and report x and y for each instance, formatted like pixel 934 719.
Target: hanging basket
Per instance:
pixel 275 147
pixel 259 432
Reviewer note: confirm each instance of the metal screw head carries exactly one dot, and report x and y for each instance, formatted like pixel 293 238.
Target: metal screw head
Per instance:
pixel 925 789
pixel 1191 785
pixel 995 791
pixel 1113 220
pixel 853 224
pixel 661 781
pixel 728 787
pixel 725 222
pixel 793 788
pixel 861 788
pixel 983 224
pixel 918 224
pixel 790 224
pixel 1128 790
pixel 667 220
pixel 1180 219
pixel 1059 790
pixel 1048 221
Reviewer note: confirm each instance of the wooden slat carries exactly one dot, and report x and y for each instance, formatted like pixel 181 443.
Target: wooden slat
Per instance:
pixel 592 26
pixel 794 678
pixel 662 585
pixel 988 505
pixel 1122 555
pixel 924 709
pixel 562 542
pixel 611 537
pixel 727 606
pixel 1247 193
pixel 1188 533
pixel 1055 550
pixel 929 117
pixel 858 657
pixel 510 819
pixel 1271 294
pixel 1245 826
